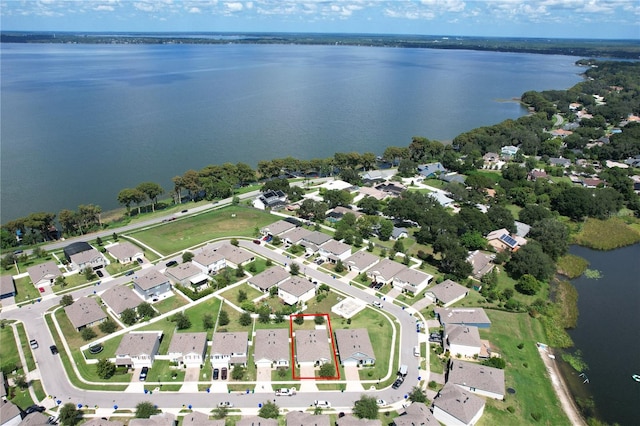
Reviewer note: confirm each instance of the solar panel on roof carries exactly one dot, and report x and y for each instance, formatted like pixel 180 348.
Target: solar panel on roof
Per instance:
pixel 508 240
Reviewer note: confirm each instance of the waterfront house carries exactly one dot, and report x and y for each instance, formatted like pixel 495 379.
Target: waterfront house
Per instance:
pixel 477 378
pixel 509 150
pixel 229 349
pixel 188 349
pixel 85 312
pixel 431 169
pixel 462 340
pixel 447 293
pixel 43 273
pixel 354 347
pixel 138 349
pixel 476 317
pixel 454 406
pixel 120 298
pixel 271 199
pixel 81 255
pixel 296 290
pixel 152 285
pixel 271 348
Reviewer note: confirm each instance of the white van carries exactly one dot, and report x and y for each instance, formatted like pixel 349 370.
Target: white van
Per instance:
pixel 403 370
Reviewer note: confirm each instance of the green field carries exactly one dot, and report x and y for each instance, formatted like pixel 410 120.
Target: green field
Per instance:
pixel 525 372
pixel 606 234
pixel 191 231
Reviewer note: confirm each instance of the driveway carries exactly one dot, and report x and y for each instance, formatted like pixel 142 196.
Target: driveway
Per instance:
pixel 263 379
pixel 191 377
pixel 352 377
pixel 308 385
pixel 422 303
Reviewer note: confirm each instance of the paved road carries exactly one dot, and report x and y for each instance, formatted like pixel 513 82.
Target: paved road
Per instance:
pixel 56 383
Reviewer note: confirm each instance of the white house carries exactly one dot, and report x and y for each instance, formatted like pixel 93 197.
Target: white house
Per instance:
pixel 152 285
pixel 124 252
pixel 138 349
pixel 312 347
pixel 384 271
pixel 335 250
pixel 411 280
pixel 188 349
pixel 296 289
pixel 81 255
pixel 477 378
pixel 271 348
pixel 43 273
pixel 447 292
pixel 462 340
pixel 360 261
pixel 229 348
pixel 354 347
pixel 454 406
pixel 209 261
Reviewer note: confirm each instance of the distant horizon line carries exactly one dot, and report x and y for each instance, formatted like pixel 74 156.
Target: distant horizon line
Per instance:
pixel 227 32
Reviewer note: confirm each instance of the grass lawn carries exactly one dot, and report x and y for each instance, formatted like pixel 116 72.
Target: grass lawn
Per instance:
pixel 21 397
pixel 606 234
pixel 197 312
pixel 8 351
pixel 232 294
pixel 181 234
pixel 25 290
pixel 26 348
pixel 109 348
pixel 525 372
pixel 162 371
pixel 256 266
pixel 38 389
pixel 435 363
pixel 73 337
pixel 169 304
pixel 234 321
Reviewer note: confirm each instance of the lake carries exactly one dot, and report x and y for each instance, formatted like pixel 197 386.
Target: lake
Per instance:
pixel 81 122
pixel 607 333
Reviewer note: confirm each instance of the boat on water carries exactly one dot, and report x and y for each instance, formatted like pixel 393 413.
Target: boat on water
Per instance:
pixel 636 377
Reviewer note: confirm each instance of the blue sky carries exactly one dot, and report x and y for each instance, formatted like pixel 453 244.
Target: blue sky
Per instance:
pixel 516 18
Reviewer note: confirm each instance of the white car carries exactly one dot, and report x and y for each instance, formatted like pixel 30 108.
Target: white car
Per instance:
pixel 286 392
pixel 381 402
pixel 322 404
pixel 377 304
pixel 225 404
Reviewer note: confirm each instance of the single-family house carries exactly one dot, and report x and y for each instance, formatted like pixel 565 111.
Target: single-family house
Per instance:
pixel 481 263
pixel 209 261
pixel 187 274
pixel 477 378
pixel 462 340
pixel 269 278
pixel 256 421
pixel 295 236
pixel 81 255
pixel 416 414
pixel 271 200
pixel 392 188
pixel 337 184
pixel 334 250
pixel 312 241
pixel 9 413
pixel 441 198
pixel 43 273
pixel 454 406
pixel 509 150
pixel 196 418
pixel 360 261
pixel 453 178
pixel 341 211
pixel 188 349
pixel 501 240
pixel 163 419
pixel 7 287
pixel 411 280
pixel 399 232
pixel 476 317
pixel 384 271
pixel 560 162
pixel 561 133
pixel 366 191
pixel 431 169
pixel 34 418
pixel 124 252
pixel 101 421
pixel 536 174
pixel 351 420
pixel 271 348
pixel 277 228
pixel 296 289
pixel 85 312
pixel 447 293
pixel 300 418
pixel 354 347
pixel 491 157
pixel 233 256
pixel 138 349
pixel 152 285
pixel 120 298
pixel 229 348
pixel 312 347
pixel 378 175
pixel 522 229
pixel 592 182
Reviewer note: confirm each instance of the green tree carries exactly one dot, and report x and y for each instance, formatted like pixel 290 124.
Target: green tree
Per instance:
pixel 242 296
pixel 21 381
pixel 69 414
pixel 527 284
pixel 319 319
pixel 207 322
pixel 145 409
pixel 552 235
pixel 129 196
pixel 145 310
pixel 182 321
pixel 129 316
pixel 234 242
pixel 339 268
pixel 386 229
pixel 264 314
pixel 88 273
pixel 87 333
pixel 269 410
pixel 366 408
pixel 238 372
pixel 66 300
pixel 187 257
pixel 417 395
pixel 327 370
pixel 223 318
pixel 220 412
pixel 152 191
pixel 105 368
pixel 294 268
pixel 495 362
pixel 108 326
pixel 245 319
pixel 299 319
pixel 530 259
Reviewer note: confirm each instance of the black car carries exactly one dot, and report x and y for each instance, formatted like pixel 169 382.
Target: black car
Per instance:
pixel 140 261
pixel 223 373
pixel 171 263
pixel 34 408
pixel 397 383
pixel 143 374
pixel 129 273
pixel 53 349
pixel 216 374
pixel 99 273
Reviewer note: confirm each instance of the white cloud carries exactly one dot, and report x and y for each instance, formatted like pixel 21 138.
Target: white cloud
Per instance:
pixel 194 10
pixel 104 8
pixel 234 6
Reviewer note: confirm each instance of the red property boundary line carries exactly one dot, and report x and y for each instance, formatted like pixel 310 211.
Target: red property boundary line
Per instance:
pixel 293 348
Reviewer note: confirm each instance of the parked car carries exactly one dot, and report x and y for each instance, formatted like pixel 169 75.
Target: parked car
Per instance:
pixel 225 404
pixel 399 381
pixel 129 273
pixel 381 402
pixel 33 343
pixel 53 349
pixel 143 374
pixel 416 351
pixel 171 263
pixel 216 373
pixel 41 289
pixel 99 273
pixel 377 304
pixel 34 409
pixel 223 373
pixel 322 404
pixel 256 241
pixel 286 392
pixel 140 261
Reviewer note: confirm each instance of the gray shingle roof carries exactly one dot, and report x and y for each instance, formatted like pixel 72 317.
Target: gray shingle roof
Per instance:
pixel 296 286
pixel 350 420
pixel 44 271
pixel 271 344
pixel 230 343
pixel 416 414
pixel 197 418
pixel 232 253
pixel 462 316
pixel 123 250
pixel 152 279
pixel 164 419
pixel 182 271
pixel 316 237
pixel 448 290
pixel 386 268
pixel 412 276
pixel 135 344
pixel 299 418
pixel 268 278
pixel 335 247
pixel 464 335
pixel 362 260
pixel 477 376
pixel 458 403
pixel 120 298
pixel 296 235
pixel 256 421
pixel 354 343
pixel 208 257
pixel 277 228
pixel 188 343
pixel 7 285
pixel 312 346
pixel 85 256
pixel 84 311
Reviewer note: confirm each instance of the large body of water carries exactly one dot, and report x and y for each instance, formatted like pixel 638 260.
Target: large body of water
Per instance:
pixel 608 333
pixel 81 122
